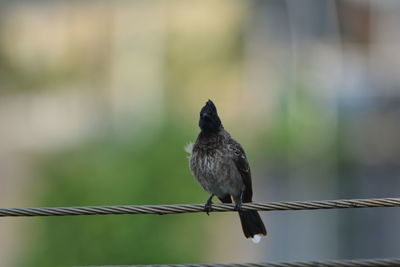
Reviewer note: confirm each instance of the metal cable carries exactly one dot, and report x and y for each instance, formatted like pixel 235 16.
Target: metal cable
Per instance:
pixel 188 208
pixel 329 263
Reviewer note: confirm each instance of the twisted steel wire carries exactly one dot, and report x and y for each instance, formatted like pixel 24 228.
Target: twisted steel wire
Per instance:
pixel 329 263
pixel 189 208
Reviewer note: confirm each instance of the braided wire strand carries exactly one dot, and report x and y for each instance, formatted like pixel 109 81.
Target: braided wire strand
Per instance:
pixel 328 263
pixel 189 208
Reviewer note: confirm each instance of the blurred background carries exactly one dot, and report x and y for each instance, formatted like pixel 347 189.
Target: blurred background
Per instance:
pixel 99 98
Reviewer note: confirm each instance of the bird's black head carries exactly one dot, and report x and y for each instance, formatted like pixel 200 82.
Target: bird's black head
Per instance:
pixel 209 120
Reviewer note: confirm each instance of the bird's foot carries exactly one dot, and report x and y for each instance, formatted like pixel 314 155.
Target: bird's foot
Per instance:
pixel 238 206
pixel 208 205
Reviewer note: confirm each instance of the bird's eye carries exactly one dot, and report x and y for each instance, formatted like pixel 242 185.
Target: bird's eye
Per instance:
pixel 205 116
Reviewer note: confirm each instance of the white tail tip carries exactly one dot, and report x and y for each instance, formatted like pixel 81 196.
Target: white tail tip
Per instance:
pixel 256 239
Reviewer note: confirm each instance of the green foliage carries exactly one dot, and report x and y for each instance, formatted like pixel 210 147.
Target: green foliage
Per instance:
pixel 115 172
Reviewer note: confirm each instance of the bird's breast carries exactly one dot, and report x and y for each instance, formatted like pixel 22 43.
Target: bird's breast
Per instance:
pixel 206 163
pixel 216 172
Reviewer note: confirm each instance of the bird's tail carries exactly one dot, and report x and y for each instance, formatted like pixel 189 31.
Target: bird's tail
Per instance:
pixel 252 225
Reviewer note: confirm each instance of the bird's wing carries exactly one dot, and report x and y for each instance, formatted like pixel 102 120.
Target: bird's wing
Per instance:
pixel 241 163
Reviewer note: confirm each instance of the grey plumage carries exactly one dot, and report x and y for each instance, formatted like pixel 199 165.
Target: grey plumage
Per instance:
pixel 220 165
pixel 214 160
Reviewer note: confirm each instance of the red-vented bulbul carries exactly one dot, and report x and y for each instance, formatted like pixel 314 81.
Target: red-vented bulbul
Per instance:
pixel 220 165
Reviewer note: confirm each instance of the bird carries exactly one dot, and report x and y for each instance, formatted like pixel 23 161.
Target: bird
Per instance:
pixel 220 165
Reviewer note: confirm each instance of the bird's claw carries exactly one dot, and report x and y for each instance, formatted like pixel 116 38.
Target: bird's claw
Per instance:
pixel 238 206
pixel 208 205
